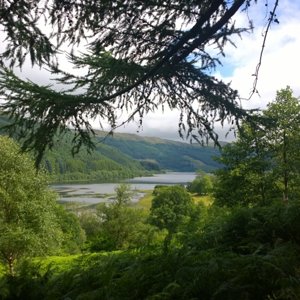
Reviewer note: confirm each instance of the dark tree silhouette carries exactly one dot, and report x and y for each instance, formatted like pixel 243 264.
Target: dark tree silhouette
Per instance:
pixel 138 56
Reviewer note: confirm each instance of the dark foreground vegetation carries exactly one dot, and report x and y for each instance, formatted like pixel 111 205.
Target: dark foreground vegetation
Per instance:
pixel 231 235
pixel 245 253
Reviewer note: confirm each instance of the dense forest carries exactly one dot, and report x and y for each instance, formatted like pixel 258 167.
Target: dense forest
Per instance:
pixel 105 164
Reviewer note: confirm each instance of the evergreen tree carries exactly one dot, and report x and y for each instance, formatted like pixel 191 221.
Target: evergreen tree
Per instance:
pixel 136 59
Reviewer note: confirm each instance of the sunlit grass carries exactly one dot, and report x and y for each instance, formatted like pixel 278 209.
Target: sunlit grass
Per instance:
pixel 62 263
pixel 59 263
pixel 146 201
pixel 206 200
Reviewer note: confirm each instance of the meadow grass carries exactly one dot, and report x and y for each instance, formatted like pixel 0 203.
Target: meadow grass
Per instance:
pixel 57 263
pixel 146 201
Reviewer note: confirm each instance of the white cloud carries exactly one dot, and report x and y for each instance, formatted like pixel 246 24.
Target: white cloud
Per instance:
pixel 280 64
pixel 280 59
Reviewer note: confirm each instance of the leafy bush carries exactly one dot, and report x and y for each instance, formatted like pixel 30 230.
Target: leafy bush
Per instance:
pixel 226 254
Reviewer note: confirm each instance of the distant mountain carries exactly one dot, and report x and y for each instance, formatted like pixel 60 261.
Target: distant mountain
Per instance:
pixel 124 156
pixel 165 154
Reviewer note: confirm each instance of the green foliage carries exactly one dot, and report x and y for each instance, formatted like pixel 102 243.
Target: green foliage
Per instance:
pixel 105 164
pixel 117 225
pixel 171 208
pixel 201 185
pixel 245 246
pixel 283 132
pixel 263 164
pixel 145 201
pixel 28 221
pixel 244 253
pixel 73 234
pixel 247 177
pixel 239 253
pixel 90 223
pixel 122 229
pixel 123 195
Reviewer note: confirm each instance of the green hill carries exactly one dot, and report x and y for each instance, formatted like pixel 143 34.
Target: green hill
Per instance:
pixel 105 164
pixel 168 155
pixel 124 156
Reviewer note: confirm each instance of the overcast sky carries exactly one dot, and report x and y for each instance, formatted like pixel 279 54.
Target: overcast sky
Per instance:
pixel 280 66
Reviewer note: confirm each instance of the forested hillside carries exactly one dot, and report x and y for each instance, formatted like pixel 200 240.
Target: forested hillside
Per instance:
pixel 168 155
pixel 123 156
pixel 104 164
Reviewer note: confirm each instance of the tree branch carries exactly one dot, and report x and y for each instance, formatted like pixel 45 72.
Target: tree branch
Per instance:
pixel 271 19
pixel 196 30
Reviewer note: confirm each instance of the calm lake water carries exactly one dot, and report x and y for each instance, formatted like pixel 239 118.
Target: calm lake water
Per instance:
pixel 103 192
